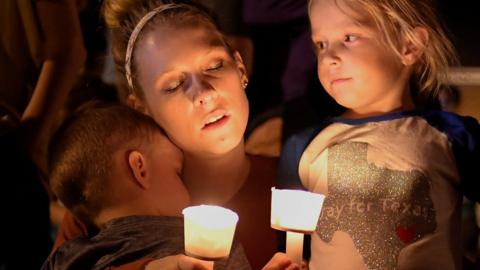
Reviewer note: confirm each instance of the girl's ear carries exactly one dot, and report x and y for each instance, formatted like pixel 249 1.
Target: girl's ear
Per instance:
pixel 139 169
pixel 413 48
pixel 135 103
pixel 240 66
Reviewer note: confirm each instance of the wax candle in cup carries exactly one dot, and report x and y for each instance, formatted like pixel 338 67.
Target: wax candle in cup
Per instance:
pixel 297 213
pixel 209 231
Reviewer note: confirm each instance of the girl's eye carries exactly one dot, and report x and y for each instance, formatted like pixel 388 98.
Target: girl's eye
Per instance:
pixel 172 87
pixel 350 38
pixel 215 66
pixel 321 45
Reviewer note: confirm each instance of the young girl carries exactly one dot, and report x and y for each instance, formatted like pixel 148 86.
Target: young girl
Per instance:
pixel 391 171
pixel 175 66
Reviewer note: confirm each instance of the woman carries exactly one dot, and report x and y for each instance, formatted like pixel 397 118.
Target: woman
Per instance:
pixel 177 68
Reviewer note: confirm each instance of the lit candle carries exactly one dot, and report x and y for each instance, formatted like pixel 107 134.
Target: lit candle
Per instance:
pixel 209 231
pixel 297 212
pixel 295 246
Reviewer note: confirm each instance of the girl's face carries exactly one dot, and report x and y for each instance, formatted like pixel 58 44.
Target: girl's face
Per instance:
pixel 193 88
pixel 355 68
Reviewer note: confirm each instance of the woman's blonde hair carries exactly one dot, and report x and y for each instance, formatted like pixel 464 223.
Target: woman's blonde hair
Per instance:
pixel 397 19
pixel 121 18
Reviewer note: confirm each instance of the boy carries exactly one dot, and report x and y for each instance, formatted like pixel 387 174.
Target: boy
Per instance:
pixel 115 170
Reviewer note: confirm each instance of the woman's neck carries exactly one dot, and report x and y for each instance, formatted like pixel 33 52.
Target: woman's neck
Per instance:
pixel 216 179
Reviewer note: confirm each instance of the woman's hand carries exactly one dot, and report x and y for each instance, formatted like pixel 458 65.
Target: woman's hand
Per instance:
pixel 180 262
pixel 280 261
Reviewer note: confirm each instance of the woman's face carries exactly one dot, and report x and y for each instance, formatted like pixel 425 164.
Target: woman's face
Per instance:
pixel 193 88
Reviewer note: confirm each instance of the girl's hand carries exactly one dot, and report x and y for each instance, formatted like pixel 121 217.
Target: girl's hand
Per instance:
pixel 179 262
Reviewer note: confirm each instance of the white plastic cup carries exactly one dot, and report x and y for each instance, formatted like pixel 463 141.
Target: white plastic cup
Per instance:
pixel 295 210
pixel 209 231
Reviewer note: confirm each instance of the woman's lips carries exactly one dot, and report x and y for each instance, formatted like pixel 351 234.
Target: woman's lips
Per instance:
pixel 216 122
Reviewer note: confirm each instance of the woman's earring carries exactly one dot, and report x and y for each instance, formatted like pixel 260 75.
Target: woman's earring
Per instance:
pixel 245 83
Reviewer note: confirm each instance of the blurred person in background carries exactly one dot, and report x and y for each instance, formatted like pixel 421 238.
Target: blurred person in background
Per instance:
pixel 41 55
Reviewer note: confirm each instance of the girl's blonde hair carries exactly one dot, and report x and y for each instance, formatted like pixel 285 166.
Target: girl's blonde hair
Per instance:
pixel 397 19
pixel 121 18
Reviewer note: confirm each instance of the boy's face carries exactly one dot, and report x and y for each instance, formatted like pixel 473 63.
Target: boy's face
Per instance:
pixel 354 67
pixel 193 88
pixel 164 161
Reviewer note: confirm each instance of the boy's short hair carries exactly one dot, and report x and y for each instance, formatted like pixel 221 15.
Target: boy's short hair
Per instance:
pixel 81 154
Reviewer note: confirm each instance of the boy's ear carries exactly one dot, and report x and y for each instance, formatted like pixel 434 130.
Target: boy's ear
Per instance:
pixel 240 66
pixel 135 103
pixel 412 51
pixel 138 166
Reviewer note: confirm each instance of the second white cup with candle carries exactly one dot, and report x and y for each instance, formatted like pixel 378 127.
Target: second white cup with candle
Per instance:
pixel 209 231
pixel 296 212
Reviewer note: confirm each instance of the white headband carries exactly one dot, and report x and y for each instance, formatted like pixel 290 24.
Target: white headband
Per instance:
pixel 133 38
